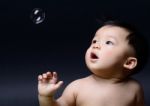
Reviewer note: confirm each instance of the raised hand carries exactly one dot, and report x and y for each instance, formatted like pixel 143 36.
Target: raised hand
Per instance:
pixel 47 84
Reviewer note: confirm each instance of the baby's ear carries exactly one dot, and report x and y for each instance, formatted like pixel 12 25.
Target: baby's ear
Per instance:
pixel 130 63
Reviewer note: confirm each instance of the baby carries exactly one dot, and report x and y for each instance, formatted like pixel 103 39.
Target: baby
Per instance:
pixel 116 53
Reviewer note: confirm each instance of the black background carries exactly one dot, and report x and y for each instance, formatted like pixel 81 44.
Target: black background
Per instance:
pixel 57 44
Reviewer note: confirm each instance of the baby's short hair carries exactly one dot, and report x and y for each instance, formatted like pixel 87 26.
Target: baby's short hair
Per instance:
pixel 136 40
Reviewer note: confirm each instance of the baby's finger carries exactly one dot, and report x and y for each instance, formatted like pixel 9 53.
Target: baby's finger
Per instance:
pixel 40 78
pixel 45 76
pixel 54 74
pixel 54 78
pixel 59 84
pixel 49 75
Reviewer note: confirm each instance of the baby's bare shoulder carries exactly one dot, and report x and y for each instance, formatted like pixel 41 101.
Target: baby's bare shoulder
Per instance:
pixel 71 91
pixel 76 85
pixel 78 82
pixel 137 88
pixel 134 83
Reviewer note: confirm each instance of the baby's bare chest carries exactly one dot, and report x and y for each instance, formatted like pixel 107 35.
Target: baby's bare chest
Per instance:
pixel 104 96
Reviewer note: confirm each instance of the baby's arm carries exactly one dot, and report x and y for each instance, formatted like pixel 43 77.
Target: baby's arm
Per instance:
pixel 48 85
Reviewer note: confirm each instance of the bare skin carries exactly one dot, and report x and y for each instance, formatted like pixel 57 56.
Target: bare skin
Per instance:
pixel 111 60
pixel 91 91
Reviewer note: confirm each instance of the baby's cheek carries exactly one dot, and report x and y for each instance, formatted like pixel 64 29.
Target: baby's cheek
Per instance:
pixel 113 55
pixel 109 53
pixel 87 54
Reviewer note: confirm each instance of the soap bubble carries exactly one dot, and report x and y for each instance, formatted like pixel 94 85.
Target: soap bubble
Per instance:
pixel 37 15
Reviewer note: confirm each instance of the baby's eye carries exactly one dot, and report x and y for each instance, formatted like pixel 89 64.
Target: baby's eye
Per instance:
pixel 94 41
pixel 109 42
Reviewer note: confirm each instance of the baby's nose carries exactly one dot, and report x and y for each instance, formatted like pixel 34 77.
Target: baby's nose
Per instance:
pixel 96 46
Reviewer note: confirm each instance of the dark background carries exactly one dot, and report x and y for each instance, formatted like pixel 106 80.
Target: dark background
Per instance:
pixel 57 44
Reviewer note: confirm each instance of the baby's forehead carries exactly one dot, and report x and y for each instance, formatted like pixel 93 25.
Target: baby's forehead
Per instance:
pixel 112 31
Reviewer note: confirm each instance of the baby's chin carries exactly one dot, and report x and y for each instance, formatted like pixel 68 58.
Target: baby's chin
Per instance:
pixel 94 70
pixel 98 72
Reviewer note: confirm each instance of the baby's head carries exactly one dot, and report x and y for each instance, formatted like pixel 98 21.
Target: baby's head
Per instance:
pixel 117 48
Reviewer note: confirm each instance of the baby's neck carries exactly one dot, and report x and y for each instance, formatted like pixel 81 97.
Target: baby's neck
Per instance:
pixel 112 80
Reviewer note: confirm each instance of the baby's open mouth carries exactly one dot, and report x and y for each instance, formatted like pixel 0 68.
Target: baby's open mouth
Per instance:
pixel 94 56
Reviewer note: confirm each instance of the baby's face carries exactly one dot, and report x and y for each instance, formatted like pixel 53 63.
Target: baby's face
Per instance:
pixel 109 50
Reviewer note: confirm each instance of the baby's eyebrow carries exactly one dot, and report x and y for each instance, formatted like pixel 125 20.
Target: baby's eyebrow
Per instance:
pixel 107 36
pixel 110 36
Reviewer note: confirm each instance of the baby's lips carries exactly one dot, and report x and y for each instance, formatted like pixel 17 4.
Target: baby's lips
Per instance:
pixel 94 56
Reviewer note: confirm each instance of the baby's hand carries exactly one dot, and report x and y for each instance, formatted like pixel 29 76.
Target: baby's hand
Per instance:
pixel 47 84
